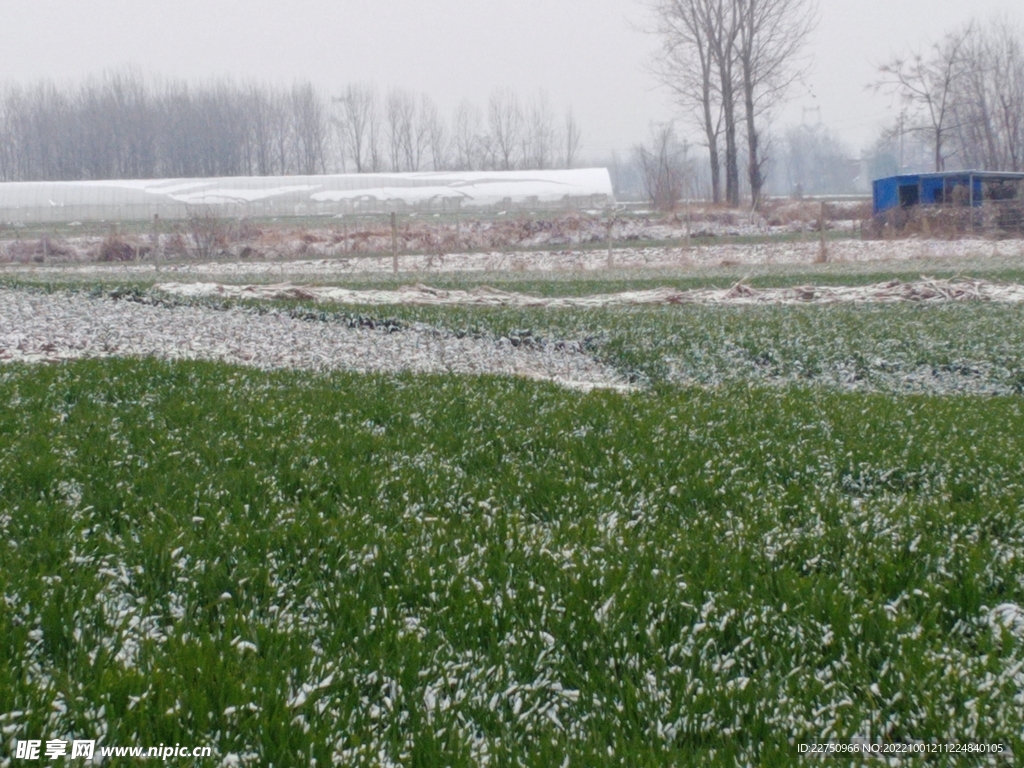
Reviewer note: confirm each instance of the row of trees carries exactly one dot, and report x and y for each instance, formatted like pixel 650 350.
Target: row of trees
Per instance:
pixel 119 126
pixel 729 63
pixel 965 96
pixel 402 132
pixel 124 126
pixel 813 160
pixel 807 159
pixel 663 168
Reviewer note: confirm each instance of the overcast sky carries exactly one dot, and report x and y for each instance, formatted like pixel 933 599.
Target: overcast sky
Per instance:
pixel 587 53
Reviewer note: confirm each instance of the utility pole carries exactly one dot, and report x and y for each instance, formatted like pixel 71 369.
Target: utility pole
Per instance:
pixel 903 118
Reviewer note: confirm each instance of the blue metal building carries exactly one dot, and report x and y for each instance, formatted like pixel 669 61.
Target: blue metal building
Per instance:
pixel 961 188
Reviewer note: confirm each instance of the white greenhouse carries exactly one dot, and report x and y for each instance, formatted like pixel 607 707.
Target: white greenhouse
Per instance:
pixel 329 195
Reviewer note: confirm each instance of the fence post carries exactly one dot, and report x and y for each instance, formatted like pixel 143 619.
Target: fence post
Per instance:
pixel 154 237
pixel 611 256
pixel 970 180
pixel 822 251
pixel 394 243
pixel 688 226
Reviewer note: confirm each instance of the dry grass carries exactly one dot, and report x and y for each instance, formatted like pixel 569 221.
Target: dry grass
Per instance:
pixel 993 220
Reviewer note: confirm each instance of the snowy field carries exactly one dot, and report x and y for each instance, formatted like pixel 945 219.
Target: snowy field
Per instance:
pixel 303 511
pixel 850 254
pixel 738 294
pixel 49 327
pixel 41 326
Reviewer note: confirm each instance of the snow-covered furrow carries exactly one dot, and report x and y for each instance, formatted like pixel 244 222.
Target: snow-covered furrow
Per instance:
pixel 895 290
pixel 41 327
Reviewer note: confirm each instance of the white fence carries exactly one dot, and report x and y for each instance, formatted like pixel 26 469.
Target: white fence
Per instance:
pixel 273 196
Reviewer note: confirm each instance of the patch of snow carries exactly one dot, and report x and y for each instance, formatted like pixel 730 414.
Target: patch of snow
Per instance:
pixel 892 291
pixel 36 327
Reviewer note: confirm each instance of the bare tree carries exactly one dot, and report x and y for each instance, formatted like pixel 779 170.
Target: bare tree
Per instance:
pixel 281 131
pixel 964 97
pixel 772 34
pixel 926 84
pixel 687 65
pixel 260 121
pixel 571 139
pixel 436 133
pixel 716 54
pixel 121 125
pixel 418 143
pixel 374 131
pixel 972 124
pixel 663 167
pixel 408 138
pixel 505 119
pixel 1008 78
pixel 395 121
pixel 130 119
pixel 357 119
pixel 309 129
pixel 722 30
pixel 814 161
pixel 7 147
pixel 987 101
pixel 541 134
pixel 221 132
pixel 466 130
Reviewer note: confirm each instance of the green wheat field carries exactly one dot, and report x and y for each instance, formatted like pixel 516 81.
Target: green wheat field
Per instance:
pixel 804 525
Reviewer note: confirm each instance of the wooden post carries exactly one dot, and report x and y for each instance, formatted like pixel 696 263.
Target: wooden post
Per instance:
pixel 611 256
pixel 155 235
pixel 973 226
pixel 394 243
pixel 344 233
pixel 822 251
pixel 687 226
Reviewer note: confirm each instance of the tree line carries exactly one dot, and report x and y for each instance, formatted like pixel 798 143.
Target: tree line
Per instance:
pixel 123 125
pixel 729 63
pixel 400 131
pixel 964 96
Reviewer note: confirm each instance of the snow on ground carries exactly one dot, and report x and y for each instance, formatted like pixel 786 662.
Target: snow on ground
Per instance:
pixel 967 252
pixel 41 327
pixel 46 327
pixel 114 199
pixel 892 291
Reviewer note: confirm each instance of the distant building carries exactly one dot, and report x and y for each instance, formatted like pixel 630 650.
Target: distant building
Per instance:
pixel 955 188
